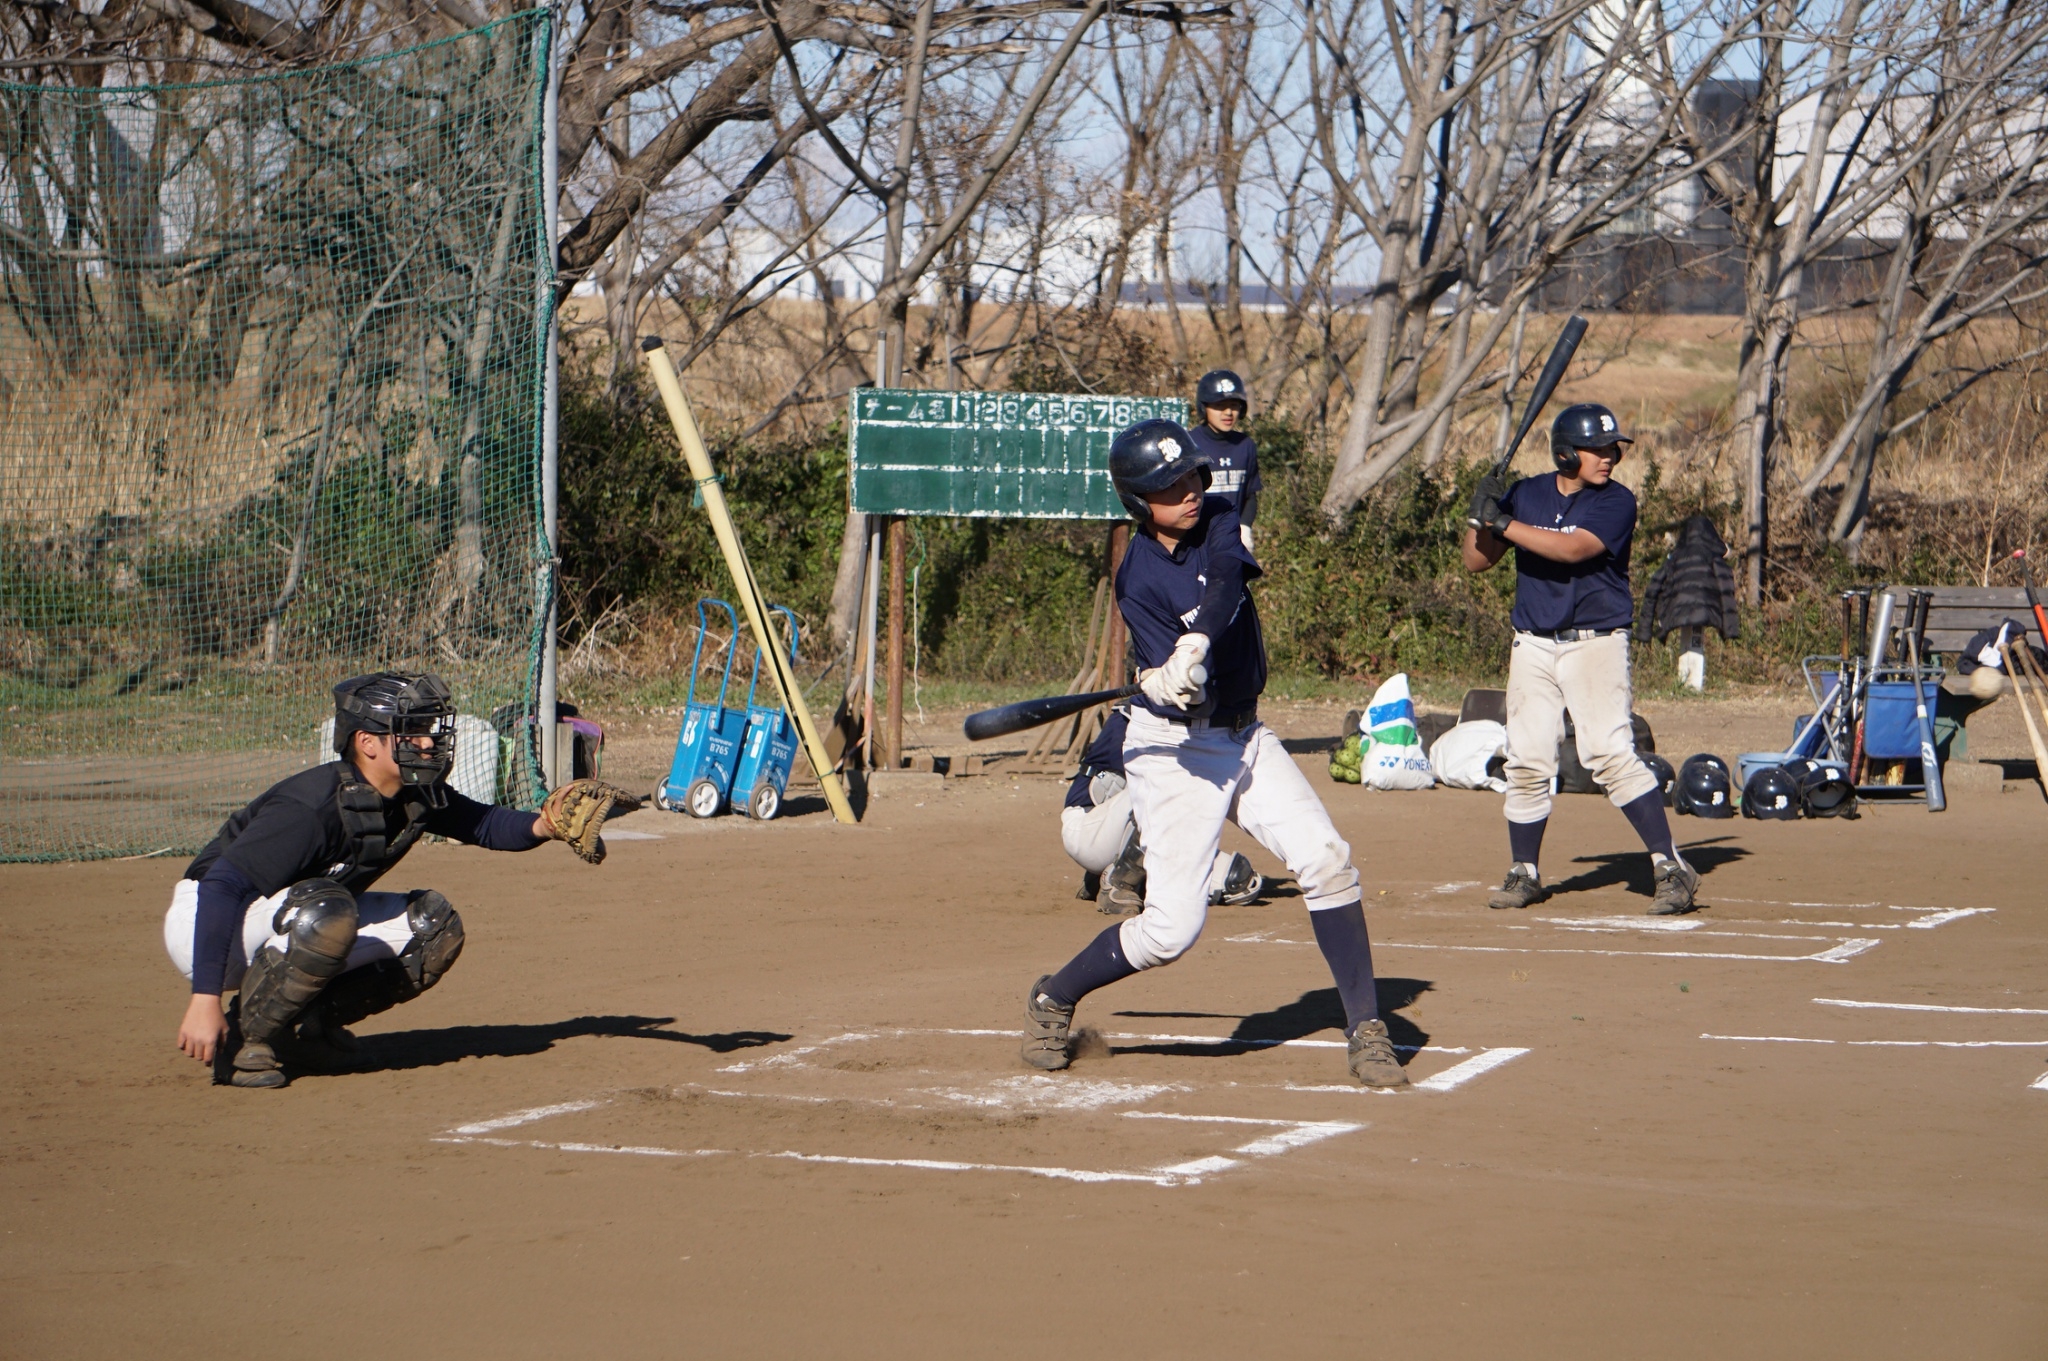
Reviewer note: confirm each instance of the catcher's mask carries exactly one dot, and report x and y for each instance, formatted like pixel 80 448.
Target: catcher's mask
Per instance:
pixel 405 706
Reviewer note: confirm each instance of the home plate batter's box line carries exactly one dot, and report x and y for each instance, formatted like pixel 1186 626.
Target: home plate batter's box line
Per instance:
pixel 1838 954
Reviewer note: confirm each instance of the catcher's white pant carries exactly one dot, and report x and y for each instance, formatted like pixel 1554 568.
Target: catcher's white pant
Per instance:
pixel 1094 836
pixel 382 930
pixel 1590 678
pixel 1185 779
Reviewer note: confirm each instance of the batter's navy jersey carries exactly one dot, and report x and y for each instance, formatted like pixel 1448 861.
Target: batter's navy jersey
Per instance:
pixel 1200 587
pixel 1593 594
pixel 1233 467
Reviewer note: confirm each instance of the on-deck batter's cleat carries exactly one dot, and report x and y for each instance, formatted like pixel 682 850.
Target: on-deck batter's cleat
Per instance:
pixel 256 1065
pixel 1519 890
pixel 1241 883
pixel 1676 883
pixel 1373 1061
pixel 1047 1027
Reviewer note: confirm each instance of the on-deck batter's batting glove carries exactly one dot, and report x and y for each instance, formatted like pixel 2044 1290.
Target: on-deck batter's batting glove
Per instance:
pixel 575 813
pixel 1486 511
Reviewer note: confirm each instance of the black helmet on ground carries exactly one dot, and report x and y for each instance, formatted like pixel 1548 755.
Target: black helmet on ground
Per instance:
pixel 1824 788
pixel 1771 793
pixel 400 704
pixel 1218 386
pixel 1150 457
pixel 1704 789
pixel 1587 425
pixel 1661 770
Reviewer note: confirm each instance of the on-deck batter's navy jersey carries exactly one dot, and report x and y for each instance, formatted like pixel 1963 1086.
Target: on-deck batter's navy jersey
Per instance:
pixel 1105 753
pixel 1592 594
pixel 1200 587
pixel 1233 467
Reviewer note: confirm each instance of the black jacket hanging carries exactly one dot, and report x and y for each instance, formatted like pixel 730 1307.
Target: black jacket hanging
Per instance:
pixel 1693 589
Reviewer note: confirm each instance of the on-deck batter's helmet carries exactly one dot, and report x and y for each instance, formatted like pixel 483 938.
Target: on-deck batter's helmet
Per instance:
pixel 1824 788
pixel 1704 789
pixel 1151 456
pixel 1661 769
pixel 1587 425
pixel 402 704
pixel 1219 386
pixel 1771 793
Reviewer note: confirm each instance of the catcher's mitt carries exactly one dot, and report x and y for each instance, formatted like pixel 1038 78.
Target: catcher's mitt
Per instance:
pixel 575 813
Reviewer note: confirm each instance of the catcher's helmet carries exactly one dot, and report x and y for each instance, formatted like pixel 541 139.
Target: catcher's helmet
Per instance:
pixel 1771 793
pixel 403 704
pixel 1587 425
pixel 1151 456
pixel 1219 386
pixel 1703 788
pixel 1661 770
pixel 1824 788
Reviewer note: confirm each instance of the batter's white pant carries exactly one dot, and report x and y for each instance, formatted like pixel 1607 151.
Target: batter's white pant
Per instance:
pixel 1094 836
pixel 1590 678
pixel 382 930
pixel 1185 779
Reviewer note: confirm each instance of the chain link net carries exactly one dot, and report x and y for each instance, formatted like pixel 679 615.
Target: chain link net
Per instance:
pixel 272 356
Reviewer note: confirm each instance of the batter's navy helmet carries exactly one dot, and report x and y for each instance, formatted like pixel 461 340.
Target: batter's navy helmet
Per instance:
pixel 1703 788
pixel 1587 425
pixel 1151 456
pixel 1666 777
pixel 1219 386
pixel 1771 793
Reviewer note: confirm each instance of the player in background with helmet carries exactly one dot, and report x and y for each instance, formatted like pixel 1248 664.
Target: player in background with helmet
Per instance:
pixel 1219 436
pixel 1571 531
pixel 1195 754
pixel 277 904
pixel 1097 829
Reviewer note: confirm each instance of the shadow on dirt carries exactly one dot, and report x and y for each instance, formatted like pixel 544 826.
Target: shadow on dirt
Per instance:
pixel 1631 869
pixel 1311 1014
pixel 399 1050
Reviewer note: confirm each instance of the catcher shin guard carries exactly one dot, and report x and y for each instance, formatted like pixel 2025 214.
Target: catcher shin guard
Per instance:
pixel 436 944
pixel 318 922
pixel 1123 883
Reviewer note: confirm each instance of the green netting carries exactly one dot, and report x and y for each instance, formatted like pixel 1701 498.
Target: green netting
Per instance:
pixel 272 356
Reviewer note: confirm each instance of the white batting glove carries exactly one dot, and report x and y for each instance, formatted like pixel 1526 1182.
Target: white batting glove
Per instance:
pixel 1190 651
pixel 1153 685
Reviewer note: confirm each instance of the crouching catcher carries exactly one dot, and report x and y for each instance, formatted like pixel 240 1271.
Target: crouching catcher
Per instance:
pixel 279 907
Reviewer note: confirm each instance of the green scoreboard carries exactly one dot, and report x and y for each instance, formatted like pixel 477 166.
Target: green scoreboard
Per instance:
pixel 1029 455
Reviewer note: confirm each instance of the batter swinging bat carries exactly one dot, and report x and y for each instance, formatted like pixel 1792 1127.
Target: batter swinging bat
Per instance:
pixel 1546 383
pixel 1031 713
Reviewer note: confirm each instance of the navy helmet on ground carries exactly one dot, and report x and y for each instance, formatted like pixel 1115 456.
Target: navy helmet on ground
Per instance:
pixel 1666 775
pixel 1218 386
pixel 1771 793
pixel 1704 789
pixel 1150 457
pixel 1587 425
pixel 1824 788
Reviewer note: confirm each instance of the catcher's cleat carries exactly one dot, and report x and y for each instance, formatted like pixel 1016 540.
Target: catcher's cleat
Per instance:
pixel 256 1066
pixel 1521 889
pixel 1241 883
pixel 322 1044
pixel 1676 883
pixel 1047 1027
pixel 1373 1061
pixel 1123 883
pixel 1115 900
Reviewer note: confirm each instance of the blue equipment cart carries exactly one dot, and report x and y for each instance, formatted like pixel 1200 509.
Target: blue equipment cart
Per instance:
pixel 769 747
pixel 699 780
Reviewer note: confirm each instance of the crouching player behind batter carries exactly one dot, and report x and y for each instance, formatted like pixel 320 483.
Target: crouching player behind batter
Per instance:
pixel 1196 754
pixel 1571 533
pixel 277 904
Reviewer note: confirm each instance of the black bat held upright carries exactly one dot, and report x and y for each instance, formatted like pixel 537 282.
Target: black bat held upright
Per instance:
pixel 1546 383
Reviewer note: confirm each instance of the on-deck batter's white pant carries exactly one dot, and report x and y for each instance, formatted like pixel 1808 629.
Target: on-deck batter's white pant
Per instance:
pixel 1185 779
pixel 382 931
pixel 1094 836
pixel 1590 678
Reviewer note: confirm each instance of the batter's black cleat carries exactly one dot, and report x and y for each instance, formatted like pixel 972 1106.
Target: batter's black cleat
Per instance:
pixel 256 1065
pixel 1241 884
pixel 1091 886
pixel 1676 883
pixel 1373 1061
pixel 1521 889
pixel 1048 1043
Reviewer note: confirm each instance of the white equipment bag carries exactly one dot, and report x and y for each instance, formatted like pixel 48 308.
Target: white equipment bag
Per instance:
pixel 1394 758
pixel 1460 756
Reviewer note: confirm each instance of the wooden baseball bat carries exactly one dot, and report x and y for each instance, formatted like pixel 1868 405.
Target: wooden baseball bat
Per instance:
pixel 1546 383
pixel 1031 713
pixel 1930 761
pixel 2014 676
pixel 2033 670
pixel 2027 577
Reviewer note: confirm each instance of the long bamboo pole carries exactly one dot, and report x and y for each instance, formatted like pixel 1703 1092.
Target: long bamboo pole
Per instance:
pixel 699 459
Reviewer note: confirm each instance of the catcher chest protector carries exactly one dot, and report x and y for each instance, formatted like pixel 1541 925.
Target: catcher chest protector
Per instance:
pixel 371 850
pixel 1150 457
pixel 1587 425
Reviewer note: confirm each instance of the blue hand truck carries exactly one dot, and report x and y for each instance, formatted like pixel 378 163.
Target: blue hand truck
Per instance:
pixel 699 779
pixel 769 747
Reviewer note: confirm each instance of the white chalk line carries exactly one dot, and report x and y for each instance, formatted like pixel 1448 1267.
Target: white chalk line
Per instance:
pixel 1847 950
pixel 1928 1006
pixel 1457 1075
pixel 2039 1084
pixel 1886 1044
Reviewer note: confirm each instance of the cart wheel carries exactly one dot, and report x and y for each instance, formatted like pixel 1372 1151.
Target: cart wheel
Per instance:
pixel 766 803
pixel 662 800
pixel 704 799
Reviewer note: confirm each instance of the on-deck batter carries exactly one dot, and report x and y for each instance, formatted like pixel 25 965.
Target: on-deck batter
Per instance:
pixel 1197 754
pixel 1571 532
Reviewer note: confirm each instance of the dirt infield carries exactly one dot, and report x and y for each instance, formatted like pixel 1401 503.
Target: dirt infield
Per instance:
pixel 753 1091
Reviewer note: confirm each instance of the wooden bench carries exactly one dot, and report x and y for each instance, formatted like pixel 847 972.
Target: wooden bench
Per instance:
pixel 1958 612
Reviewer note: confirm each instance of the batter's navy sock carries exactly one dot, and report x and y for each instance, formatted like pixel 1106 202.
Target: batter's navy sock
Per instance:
pixel 1525 841
pixel 1340 932
pixel 1646 814
pixel 1100 963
